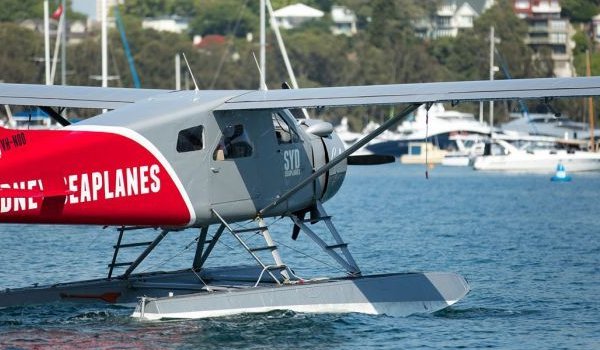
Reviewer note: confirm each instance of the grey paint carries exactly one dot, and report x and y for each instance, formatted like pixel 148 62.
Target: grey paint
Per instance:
pixel 73 96
pixel 97 97
pixel 392 294
pixel 418 93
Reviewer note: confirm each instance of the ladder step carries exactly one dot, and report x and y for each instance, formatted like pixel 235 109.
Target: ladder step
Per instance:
pixel 269 247
pixel 128 245
pixel 317 219
pixel 120 264
pixel 256 229
pixel 341 245
pixel 276 267
pixel 132 228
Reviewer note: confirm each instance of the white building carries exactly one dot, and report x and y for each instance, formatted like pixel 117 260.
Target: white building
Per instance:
pixel 166 24
pixel 292 16
pixel 547 30
pixel 344 21
pixel 451 17
pixel 596 27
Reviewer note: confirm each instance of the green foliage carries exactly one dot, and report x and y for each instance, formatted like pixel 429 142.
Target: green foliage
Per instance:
pixel 20 57
pixel 225 17
pixel 15 10
pixel 18 10
pixel 580 10
pixel 582 42
pixel 159 8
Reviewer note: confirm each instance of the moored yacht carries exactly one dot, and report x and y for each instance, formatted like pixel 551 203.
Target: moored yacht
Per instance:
pixel 442 124
pixel 534 157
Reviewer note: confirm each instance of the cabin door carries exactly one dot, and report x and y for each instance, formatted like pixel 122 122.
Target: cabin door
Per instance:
pixel 233 165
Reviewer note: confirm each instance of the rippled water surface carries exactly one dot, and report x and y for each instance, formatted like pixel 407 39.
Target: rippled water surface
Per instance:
pixel 530 249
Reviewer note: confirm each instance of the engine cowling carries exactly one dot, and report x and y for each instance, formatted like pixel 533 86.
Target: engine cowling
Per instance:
pixel 325 147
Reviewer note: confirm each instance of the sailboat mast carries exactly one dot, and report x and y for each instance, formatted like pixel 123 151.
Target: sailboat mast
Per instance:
pixel 590 103
pixel 104 44
pixel 47 42
pixel 63 55
pixel 263 84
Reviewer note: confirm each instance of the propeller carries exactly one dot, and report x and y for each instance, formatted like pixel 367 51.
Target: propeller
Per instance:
pixel 314 218
pixel 370 159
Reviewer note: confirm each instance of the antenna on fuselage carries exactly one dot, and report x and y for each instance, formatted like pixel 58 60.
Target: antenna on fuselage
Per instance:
pixel 190 71
pixel 263 85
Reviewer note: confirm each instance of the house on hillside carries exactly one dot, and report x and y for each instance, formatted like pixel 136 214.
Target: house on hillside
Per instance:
pixel 596 27
pixel 292 16
pixel 344 20
pixel 451 17
pixel 172 24
pixel 547 30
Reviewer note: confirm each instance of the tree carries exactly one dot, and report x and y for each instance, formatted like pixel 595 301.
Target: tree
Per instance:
pixel 579 10
pixel 20 57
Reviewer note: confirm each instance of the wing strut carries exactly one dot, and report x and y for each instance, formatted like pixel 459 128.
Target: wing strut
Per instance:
pixel 55 115
pixel 388 124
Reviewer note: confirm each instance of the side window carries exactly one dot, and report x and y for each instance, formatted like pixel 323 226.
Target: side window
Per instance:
pixel 190 139
pixel 284 133
pixel 234 143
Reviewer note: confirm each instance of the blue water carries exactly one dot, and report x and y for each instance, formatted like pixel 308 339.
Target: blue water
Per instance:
pixel 529 247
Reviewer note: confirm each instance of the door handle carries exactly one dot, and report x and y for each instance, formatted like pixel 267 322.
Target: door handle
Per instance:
pixel 215 170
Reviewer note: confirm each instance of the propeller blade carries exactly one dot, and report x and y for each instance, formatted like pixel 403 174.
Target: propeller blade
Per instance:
pixel 314 215
pixel 370 159
pixel 296 229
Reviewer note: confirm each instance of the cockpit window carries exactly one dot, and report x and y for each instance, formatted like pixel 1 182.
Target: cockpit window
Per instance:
pixel 284 133
pixel 190 139
pixel 234 143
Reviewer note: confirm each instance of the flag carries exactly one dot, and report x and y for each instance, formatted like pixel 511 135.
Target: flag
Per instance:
pixel 56 14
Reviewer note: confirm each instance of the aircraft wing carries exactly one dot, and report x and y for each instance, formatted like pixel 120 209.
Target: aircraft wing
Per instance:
pixel 72 96
pixel 111 98
pixel 417 93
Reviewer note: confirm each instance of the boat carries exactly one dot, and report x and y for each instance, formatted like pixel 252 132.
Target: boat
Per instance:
pixel 437 126
pixel 547 124
pixel 422 153
pixel 343 131
pixel 468 147
pixel 32 119
pixel 502 155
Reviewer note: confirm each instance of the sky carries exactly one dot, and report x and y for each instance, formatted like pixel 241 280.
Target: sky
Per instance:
pixel 87 7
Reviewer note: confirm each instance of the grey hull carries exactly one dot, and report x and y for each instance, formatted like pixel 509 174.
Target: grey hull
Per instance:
pixel 392 294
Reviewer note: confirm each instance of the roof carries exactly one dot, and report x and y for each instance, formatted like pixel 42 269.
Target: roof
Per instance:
pixel 298 10
pixel 211 40
pixel 478 5
pixel 342 14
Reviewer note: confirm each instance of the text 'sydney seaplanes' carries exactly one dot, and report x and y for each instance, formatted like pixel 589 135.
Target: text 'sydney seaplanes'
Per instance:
pixel 208 161
pixel 89 187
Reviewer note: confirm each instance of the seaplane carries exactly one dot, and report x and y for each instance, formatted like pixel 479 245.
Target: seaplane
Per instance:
pixel 177 160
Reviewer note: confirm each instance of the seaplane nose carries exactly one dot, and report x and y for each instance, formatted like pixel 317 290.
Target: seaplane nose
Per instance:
pixel 76 176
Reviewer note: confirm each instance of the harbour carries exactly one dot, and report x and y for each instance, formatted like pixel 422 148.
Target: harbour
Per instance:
pixel 526 246
pixel 214 216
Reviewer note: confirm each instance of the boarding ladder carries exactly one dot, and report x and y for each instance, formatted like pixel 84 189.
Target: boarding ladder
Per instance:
pixel 269 247
pixel 338 250
pixel 131 265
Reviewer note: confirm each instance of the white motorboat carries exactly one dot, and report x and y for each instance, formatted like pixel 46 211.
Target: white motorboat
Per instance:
pixel 547 124
pixel 436 126
pixel 468 147
pixel 502 155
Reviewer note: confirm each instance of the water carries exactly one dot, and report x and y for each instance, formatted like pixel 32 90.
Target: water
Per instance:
pixel 528 247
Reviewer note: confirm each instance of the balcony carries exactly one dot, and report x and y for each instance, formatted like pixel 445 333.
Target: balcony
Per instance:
pixel 546 8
